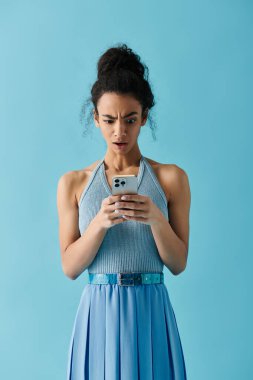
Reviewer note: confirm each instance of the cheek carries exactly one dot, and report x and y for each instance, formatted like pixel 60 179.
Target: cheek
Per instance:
pixel 136 132
pixel 106 133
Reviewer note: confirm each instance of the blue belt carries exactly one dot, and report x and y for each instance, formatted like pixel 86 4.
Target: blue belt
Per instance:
pixel 126 279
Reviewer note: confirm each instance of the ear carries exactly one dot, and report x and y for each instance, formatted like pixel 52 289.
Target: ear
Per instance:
pixel 96 118
pixel 145 116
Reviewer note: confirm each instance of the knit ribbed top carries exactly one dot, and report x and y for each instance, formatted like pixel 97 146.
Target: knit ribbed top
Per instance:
pixel 130 245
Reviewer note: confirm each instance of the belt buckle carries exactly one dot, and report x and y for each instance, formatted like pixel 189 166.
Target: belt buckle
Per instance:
pixel 126 278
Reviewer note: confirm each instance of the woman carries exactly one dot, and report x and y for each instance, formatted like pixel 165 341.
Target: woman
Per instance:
pixel 125 327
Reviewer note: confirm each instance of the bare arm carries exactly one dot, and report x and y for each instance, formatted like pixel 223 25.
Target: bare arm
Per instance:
pixel 77 252
pixel 172 239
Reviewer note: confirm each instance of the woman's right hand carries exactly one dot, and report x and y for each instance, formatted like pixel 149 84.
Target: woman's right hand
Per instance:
pixel 107 216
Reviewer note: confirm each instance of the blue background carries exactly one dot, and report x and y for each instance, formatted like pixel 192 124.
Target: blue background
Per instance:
pixel 199 54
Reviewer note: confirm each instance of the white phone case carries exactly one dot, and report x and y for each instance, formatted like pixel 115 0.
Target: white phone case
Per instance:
pixel 124 184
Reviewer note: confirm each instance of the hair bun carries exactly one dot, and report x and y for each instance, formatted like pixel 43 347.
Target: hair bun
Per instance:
pixel 120 71
pixel 120 58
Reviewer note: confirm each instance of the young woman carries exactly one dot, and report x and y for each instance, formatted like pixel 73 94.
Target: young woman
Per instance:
pixel 125 327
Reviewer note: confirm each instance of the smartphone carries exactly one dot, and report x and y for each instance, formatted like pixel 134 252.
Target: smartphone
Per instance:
pixel 124 184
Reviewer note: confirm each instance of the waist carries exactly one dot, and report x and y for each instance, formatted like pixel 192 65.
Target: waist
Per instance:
pixel 126 278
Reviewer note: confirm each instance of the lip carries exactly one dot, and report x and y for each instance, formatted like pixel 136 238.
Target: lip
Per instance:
pixel 120 142
pixel 121 145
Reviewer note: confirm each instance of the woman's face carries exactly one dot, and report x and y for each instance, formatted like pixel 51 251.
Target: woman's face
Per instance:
pixel 119 118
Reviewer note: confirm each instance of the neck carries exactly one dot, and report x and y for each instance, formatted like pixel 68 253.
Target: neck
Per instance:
pixel 123 163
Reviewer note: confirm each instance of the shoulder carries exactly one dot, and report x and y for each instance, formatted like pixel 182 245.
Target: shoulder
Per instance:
pixel 172 178
pixel 72 182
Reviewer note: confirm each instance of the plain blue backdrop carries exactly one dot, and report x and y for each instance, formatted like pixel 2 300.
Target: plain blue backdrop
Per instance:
pixel 199 54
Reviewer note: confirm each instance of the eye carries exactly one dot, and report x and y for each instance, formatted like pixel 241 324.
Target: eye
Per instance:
pixel 133 121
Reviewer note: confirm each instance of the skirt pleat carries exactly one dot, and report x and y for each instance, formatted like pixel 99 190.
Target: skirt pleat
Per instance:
pixel 112 331
pixel 162 363
pixel 125 333
pixel 173 337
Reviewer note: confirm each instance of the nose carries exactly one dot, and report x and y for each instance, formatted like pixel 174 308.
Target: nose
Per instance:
pixel 119 129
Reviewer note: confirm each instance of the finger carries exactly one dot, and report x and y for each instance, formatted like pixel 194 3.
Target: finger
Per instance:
pixel 116 217
pixel 130 206
pixel 131 213
pixel 138 219
pixel 134 198
pixel 119 220
pixel 114 214
pixel 112 199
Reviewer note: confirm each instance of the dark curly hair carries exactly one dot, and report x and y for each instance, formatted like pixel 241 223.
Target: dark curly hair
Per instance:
pixel 120 70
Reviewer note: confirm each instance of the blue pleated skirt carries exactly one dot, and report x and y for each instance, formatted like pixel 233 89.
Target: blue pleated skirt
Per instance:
pixel 125 333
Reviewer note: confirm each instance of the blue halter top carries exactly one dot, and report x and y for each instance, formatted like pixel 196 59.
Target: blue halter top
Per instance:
pixel 128 246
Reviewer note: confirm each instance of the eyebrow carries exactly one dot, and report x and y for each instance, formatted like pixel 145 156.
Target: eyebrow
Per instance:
pixel 129 114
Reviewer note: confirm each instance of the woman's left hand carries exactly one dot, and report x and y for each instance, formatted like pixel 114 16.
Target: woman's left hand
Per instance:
pixel 142 209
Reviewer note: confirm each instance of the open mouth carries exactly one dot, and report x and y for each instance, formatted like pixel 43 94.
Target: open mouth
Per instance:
pixel 120 144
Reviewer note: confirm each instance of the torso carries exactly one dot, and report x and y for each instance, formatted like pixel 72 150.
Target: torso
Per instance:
pixel 164 173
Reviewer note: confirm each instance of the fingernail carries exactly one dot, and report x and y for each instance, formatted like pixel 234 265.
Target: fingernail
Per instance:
pixel 124 197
